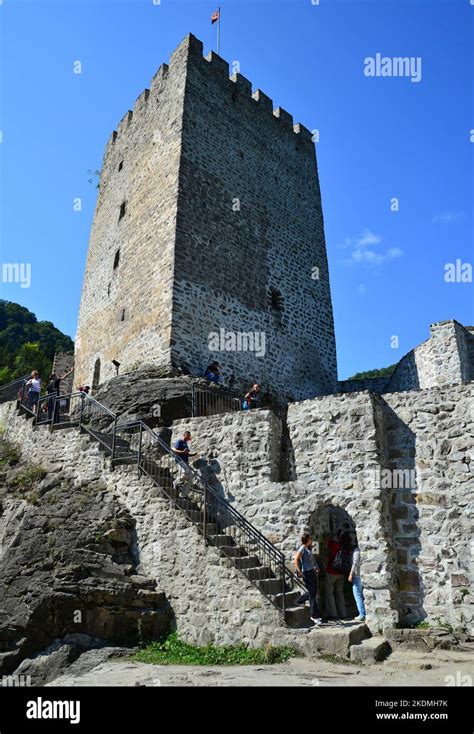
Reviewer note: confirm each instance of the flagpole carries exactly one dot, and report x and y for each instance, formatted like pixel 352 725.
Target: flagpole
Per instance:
pixel 219 33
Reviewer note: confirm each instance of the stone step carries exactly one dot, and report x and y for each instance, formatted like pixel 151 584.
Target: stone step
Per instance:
pixel 290 598
pixel 233 551
pixel 246 562
pixel 62 426
pixel 369 651
pixel 221 540
pixel 298 617
pixel 211 528
pixel 186 505
pixel 261 572
pixel 124 460
pixel 270 586
pixel 335 639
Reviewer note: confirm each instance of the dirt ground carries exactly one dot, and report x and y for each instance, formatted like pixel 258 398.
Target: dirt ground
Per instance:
pixel 402 668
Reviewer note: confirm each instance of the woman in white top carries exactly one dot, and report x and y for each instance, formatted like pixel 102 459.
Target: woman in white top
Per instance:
pixel 33 388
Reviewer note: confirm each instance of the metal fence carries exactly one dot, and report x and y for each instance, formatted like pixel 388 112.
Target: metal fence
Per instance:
pixel 12 390
pixel 208 400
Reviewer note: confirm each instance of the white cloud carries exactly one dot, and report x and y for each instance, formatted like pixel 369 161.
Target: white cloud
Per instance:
pixel 447 217
pixel 363 252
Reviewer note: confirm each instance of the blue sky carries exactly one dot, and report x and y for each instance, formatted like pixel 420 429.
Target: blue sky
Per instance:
pixel 379 138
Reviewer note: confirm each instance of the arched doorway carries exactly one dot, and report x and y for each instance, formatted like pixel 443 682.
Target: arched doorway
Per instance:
pixel 324 525
pixel 96 377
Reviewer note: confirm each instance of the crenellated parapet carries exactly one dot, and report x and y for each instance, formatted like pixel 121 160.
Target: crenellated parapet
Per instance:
pixel 190 51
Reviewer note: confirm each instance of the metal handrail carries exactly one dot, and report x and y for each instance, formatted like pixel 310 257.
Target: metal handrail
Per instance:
pixel 14 382
pixel 211 498
pixel 206 487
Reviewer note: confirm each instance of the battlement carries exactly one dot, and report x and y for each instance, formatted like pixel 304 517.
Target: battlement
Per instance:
pixel 190 51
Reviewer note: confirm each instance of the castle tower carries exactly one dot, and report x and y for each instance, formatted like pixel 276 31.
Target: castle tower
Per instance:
pixel 208 238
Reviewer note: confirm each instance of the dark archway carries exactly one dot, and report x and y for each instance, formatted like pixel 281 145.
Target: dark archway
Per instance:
pixel 325 522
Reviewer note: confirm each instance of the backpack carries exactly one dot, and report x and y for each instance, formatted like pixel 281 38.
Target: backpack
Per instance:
pixel 342 562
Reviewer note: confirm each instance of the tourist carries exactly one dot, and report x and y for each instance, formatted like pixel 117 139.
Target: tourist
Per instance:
pixel 337 569
pixel 356 581
pixel 252 399
pixel 84 389
pixel 33 389
pixel 185 477
pixel 53 388
pixel 212 373
pixel 307 568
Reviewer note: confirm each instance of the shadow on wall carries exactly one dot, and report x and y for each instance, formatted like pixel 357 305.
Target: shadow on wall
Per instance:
pixel 399 481
pixel 323 525
pixel 405 375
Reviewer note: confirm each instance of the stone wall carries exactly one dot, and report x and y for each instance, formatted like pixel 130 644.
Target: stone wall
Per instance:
pixel 429 441
pixel 125 311
pixel 446 358
pixel 222 208
pixel 249 221
pixel 334 445
pixel 211 601
pixel 393 469
pixel 62 363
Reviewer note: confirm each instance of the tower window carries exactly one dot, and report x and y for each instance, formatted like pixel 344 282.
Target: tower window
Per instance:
pixel 120 166
pixel 116 259
pixel 275 300
pixel 123 207
pixel 122 318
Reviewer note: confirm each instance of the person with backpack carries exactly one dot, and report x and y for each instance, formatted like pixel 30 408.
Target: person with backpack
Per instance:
pixel 337 569
pixel 356 581
pixel 307 567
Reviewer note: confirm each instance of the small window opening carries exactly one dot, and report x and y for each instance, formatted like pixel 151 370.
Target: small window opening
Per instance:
pixel 123 315
pixel 276 300
pixel 122 210
pixel 116 260
pixel 120 165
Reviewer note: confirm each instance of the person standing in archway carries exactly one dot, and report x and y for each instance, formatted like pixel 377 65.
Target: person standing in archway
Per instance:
pixel 337 569
pixel 306 567
pixel 356 581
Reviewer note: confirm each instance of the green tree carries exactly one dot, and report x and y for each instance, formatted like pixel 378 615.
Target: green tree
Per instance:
pixel 26 343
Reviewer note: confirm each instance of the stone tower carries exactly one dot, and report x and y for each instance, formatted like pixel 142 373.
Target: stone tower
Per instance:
pixel 208 238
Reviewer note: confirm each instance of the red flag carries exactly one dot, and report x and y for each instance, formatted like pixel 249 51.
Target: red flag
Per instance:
pixel 215 16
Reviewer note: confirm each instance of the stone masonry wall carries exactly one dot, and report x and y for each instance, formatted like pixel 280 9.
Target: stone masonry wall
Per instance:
pixel 62 363
pixel 429 437
pixel 442 359
pixel 185 260
pixel 446 358
pixel 250 220
pixel 211 600
pixel 348 455
pixel 125 311
pixel 335 446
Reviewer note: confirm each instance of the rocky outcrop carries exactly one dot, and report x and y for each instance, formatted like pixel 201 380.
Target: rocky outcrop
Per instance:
pixel 68 565
pixel 156 396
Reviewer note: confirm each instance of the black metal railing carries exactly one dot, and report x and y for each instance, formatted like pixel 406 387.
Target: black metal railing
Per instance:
pixel 13 390
pixel 212 400
pixel 219 522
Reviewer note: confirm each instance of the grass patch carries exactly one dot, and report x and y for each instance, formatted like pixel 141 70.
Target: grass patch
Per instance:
pixel 174 651
pixel 28 476
pixel 10 455
pixel 422 625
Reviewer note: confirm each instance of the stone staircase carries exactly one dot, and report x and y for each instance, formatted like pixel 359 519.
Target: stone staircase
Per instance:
pixel 240 555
